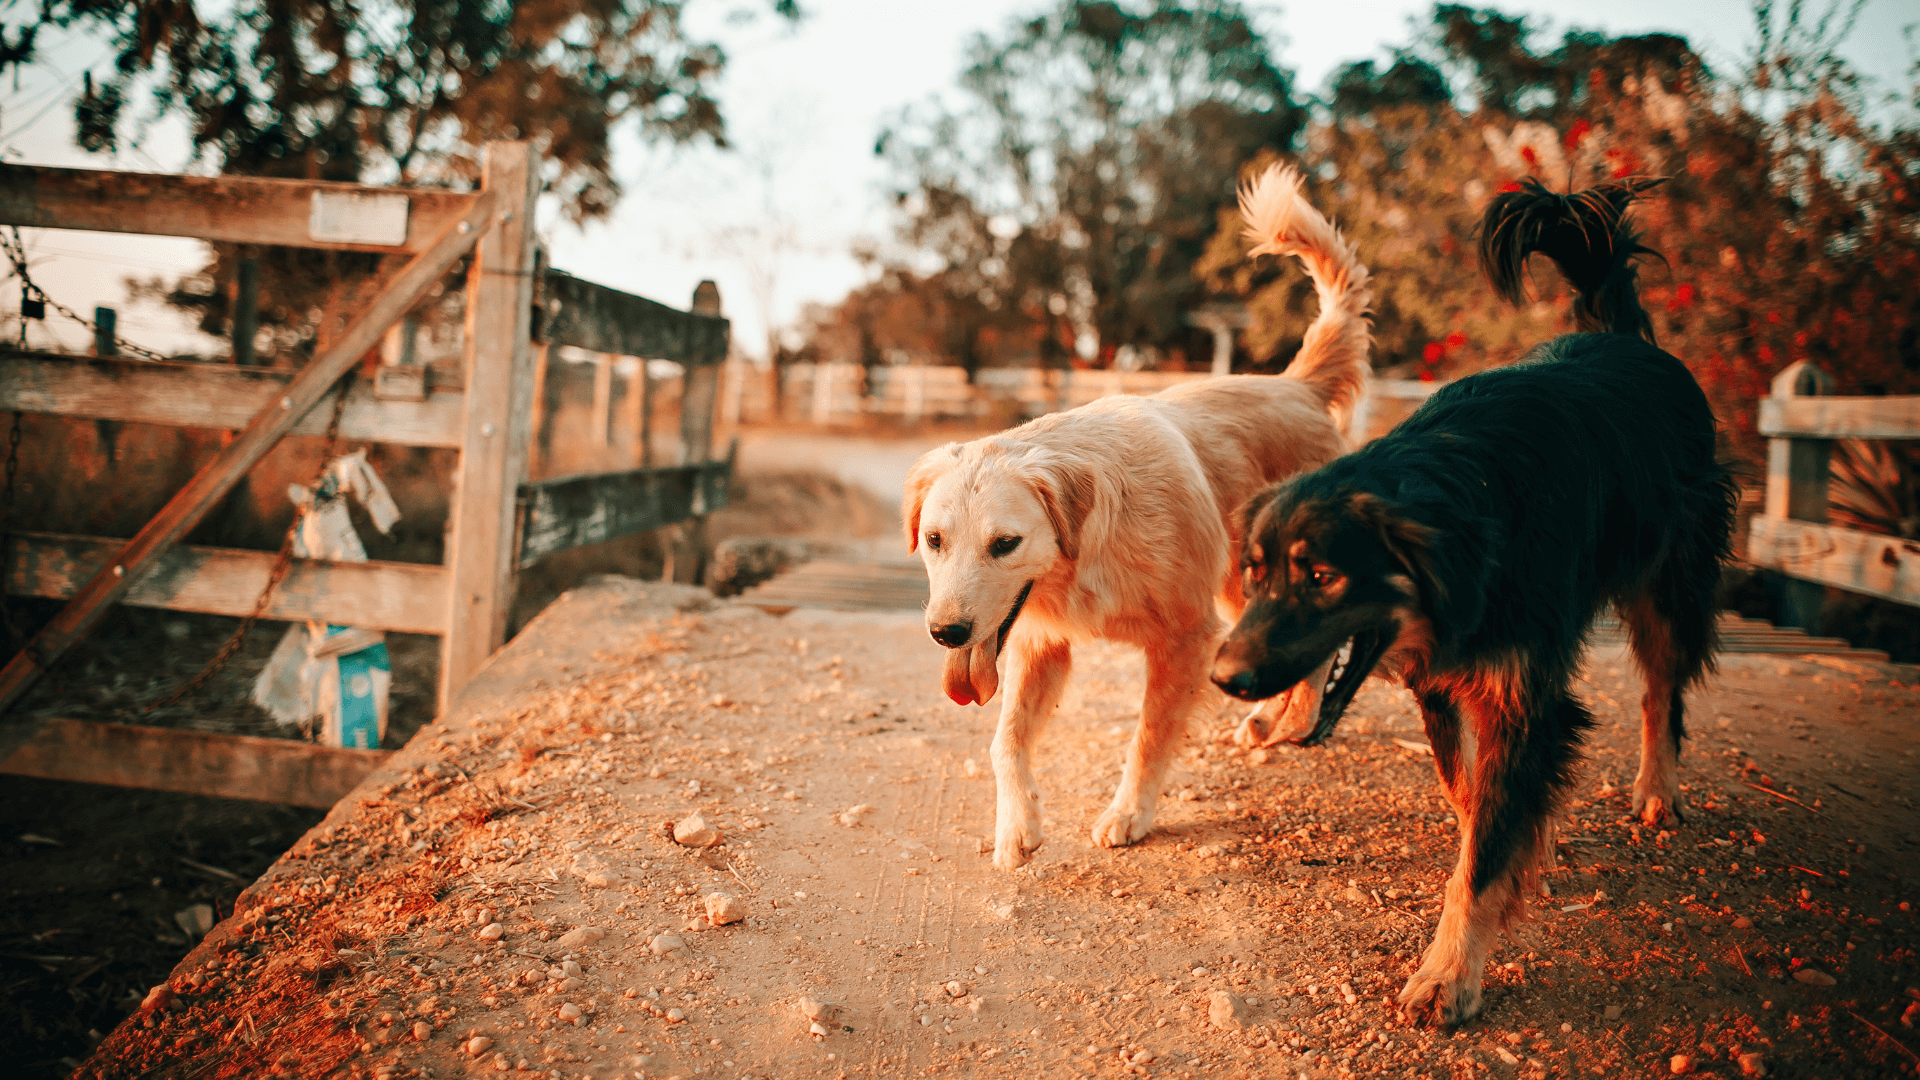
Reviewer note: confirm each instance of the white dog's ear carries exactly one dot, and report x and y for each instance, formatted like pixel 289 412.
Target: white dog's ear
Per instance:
pixel 932 466
pixel 1068 494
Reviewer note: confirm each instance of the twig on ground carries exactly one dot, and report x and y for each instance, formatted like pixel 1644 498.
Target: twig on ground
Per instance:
pixel 1804 870
pixel 1876 1027
pixel 1743 962
pixel 1781 795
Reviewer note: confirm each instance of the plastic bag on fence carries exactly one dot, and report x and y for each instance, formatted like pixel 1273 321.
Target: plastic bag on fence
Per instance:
pixel 339 675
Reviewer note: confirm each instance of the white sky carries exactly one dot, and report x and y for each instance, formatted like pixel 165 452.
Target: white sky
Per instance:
pixel 773 220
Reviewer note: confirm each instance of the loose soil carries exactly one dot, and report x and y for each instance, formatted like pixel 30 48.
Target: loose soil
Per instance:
pixel 1286 892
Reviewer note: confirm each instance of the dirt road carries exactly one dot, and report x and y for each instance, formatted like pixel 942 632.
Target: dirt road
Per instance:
pixel 1261 930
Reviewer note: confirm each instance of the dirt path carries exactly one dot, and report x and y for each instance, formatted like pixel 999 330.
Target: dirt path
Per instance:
pixel 1287 893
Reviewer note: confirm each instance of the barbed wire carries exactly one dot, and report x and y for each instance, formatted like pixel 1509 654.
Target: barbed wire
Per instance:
pixel 15 250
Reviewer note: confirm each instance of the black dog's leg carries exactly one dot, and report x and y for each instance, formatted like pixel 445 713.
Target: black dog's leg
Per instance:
pixel 1442 721
pixel 1670 627
pixel 1523 749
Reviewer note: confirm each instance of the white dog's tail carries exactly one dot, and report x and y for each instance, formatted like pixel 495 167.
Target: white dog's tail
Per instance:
pixel 1333 358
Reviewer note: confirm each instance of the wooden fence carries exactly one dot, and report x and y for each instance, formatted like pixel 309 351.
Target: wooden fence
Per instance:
pixel 838 394
pixel 517 313
pixel 1800 419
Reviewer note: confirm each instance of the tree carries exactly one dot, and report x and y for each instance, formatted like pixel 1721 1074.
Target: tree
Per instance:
pixel 1789 228
pixel 1080 178
pixel 403 93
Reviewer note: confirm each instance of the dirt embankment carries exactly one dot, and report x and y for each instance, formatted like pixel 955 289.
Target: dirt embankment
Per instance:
pixel 508 896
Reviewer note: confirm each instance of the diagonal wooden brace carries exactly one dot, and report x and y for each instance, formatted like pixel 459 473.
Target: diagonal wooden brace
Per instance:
pixel 217 477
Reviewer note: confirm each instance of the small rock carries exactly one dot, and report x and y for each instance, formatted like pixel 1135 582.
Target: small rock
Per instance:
pixel 818 1028
pixel 493 931
pixel 972 769
pixel 1681 1064
pixel 422 1031
pixel 1743 923
pixel 1346 991
pixel 674 1016
pixel 500 1063
pixel 579 937
pixel 478 1045
pixel 1613 1012
pixel 1813 978
pixel 157 998
pixel 194 920
pixel 955 989
pixel 814 1008
pixel 571 969
pixel 1752 1065
pixel 851 815
pixel 1224 1010
pixel 724 908
pixel 571 1012
pixel 662 944
pixel 693 831
pixel 1506 1055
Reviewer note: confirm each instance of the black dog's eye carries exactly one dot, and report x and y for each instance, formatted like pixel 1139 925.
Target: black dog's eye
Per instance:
pixel 1003 545
pixel 1324 578
pixel 933 541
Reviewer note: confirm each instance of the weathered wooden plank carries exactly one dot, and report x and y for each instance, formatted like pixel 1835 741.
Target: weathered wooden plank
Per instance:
pixel 598 319
pixel 1883 566
pixel 235 209
pixel 1840 417
pixel 217 477
pixel 562 514
pixel 498 430
pixel 407 597
pixel 1797 472
pixel 198 763
pixel 212 396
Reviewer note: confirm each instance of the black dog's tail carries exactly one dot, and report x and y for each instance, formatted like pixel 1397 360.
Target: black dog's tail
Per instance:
pixel 1586 234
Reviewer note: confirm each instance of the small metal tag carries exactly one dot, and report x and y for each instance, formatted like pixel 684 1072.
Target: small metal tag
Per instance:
pixel 346 217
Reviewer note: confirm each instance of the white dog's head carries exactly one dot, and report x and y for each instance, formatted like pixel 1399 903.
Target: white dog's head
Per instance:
pixel 989 518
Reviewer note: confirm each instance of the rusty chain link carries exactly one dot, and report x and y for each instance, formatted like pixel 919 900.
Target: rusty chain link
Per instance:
pixel 282 565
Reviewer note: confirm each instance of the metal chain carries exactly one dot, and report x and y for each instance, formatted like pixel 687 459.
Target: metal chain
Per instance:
pixel 16 253
pixel 282 565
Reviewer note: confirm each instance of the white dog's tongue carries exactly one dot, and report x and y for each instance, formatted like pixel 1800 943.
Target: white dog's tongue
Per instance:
pixel 970 674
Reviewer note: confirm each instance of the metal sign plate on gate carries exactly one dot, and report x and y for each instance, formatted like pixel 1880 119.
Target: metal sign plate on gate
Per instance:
pixel 341 217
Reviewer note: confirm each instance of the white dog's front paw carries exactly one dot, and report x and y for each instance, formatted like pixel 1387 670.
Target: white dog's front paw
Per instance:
pixel 1016 837
pixel 1123 824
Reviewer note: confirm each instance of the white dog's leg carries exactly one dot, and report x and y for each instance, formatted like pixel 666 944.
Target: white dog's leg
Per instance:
pixel 1176 685
pixel 1286 717
pixel 1036 676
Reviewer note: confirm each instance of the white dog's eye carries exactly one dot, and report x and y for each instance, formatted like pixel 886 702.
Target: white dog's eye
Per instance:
pixel 1003 545
pixel 1324 578
pixel 933 541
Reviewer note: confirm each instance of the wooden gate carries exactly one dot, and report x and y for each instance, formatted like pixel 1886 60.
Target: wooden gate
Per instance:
pixel 516 312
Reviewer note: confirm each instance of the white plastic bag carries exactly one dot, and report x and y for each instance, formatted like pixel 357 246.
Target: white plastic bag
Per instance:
pixel 339 675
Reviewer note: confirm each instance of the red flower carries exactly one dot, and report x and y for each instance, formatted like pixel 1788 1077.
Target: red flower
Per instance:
pixel 1432 352
pixel 1527 155
pixel 1510 185
pixel 1682 297
pixel 1426 374
pixel 1577 132
pixel 1456 339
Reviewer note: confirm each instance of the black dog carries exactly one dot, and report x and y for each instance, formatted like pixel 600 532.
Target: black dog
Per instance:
pixel 1469 550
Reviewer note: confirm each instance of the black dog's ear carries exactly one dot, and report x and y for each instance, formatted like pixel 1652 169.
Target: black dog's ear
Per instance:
pixel 1250 516
pixel 1451 564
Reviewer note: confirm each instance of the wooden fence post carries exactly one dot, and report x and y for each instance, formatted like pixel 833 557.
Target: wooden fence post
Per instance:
pixel 698 396
pixel 1797 489
pixel 246 310
pixel 499 393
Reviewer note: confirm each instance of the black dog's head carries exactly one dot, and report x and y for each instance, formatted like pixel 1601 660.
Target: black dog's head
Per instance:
pixel 1320 570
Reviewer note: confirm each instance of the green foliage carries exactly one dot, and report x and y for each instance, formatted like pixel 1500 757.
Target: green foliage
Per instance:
pixel 1789 229
pixel 1068 197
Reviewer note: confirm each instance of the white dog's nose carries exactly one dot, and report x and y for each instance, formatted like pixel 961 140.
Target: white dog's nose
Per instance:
pixel 952 635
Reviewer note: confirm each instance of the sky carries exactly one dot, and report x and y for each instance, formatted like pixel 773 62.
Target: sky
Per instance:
pixel 774 220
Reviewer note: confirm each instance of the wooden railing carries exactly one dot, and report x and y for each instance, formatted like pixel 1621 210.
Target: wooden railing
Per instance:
pixel 1801 419
pixel 500 521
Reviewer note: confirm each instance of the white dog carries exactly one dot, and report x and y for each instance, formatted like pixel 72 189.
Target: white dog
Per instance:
pixel 1117 520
